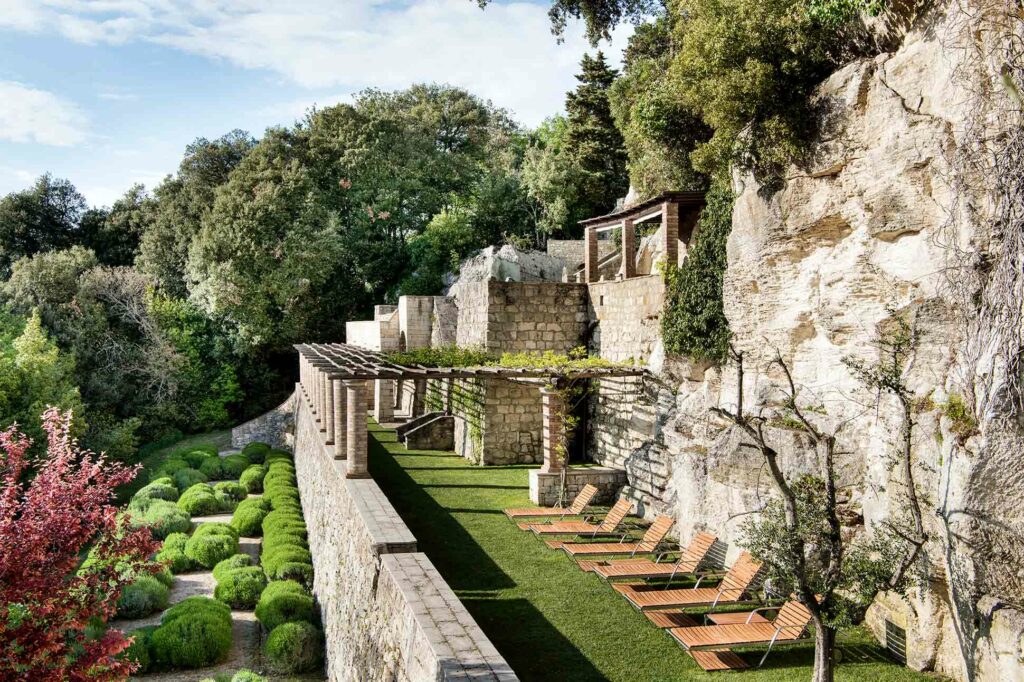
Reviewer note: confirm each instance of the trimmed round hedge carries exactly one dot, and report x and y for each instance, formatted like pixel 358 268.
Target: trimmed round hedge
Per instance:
pixel 162 488
pixel 275 559
pixel 202 500
pixel 284 601
pixel 256 452
pixel 144 596
pixel 162 517
pixel 173 553
pixel 213 467
pixel 252 478
pixel 186 478
pixel 234 465
pixel 231 563
pixel 248 517
pixel 194 633
pixel 211 544
pixel 195 458
pixel 171 465
pixel 294 648
pixel 240 588
pixel 278 455
pixel 236 491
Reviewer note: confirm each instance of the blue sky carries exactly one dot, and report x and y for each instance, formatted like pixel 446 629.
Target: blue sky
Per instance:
pixel 109 92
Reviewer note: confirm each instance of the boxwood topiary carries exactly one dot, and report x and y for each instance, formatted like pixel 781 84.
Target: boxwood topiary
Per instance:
pixel 276 455
pixel 207 550
pixel 195 458
pixel 165 576
pixel 231 563
pixel 284 601
pixel 144 596
pixel 297 571
pixel 225 502
pixel 199 500
pixel 240 588
pixel 186 478
pixel 162 488
pixel 248 517
pixel 273 560
pixel 138 650
pixel 173 553
pixel 294 648
pixel 194 633
pixel 252 478
pixel 213 467
pixel 256 452
pixel 234 465
pixel 235 491
pixel 161 517
pixel 247 676
pixel 171 465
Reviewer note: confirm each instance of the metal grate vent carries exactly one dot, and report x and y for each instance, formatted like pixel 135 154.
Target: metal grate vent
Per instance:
pixel 896 641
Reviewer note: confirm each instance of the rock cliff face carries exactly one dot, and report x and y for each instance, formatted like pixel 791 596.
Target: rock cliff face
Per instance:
pixel 815 273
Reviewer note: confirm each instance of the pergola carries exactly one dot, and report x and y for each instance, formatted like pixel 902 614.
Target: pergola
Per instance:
pixel 678 212
pixel 333 378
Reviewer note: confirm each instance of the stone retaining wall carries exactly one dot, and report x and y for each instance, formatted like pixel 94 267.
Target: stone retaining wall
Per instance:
pixel 545 489
pixel 274 427
pixel 387 613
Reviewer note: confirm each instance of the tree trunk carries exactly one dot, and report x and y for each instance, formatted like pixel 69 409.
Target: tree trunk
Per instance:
pixel 824 644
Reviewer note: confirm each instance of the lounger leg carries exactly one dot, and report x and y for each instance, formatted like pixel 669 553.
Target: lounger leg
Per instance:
pixel 770 645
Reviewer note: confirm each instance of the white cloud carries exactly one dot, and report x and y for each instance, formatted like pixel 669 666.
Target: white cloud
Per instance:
pixel 31 115
pixel 504 53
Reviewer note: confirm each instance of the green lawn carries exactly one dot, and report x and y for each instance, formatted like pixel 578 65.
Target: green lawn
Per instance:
pixel 550 620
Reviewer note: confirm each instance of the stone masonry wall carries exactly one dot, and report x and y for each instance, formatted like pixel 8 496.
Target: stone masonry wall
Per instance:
pixel 535 316
pixel 628 316
pixel 414 321
pixel 274 428
pixel 387 613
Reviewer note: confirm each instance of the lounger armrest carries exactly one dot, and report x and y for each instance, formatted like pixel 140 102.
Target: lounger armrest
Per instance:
pixel 763 609
pixel 709 575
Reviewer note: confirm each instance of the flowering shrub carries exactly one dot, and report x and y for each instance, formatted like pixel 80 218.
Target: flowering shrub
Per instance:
pixel 46 523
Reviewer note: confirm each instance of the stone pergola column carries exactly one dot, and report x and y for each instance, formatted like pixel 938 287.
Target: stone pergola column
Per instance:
pixel 384 400
pixel 554 408
pixel 304 377
pixel 670 233
pixel 628 268
pixel 328 410
pixel 355 427
pixel 321 386
pixel 590 273
pixel 340 395
pixel 418 397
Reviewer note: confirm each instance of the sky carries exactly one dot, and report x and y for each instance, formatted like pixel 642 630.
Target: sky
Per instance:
pixel 107 93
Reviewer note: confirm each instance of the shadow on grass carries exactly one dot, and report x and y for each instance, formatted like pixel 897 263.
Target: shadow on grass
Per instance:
pixel 530 644
pixel 455 553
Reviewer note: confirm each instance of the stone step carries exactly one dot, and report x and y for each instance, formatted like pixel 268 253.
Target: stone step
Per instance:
pixel 402 429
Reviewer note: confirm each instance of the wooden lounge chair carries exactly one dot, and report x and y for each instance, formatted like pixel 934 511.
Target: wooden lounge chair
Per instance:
pixel 586 527
pixel 736 583
pixel 714 641
pixel 689 561
pixel 648 543
pixel 575 509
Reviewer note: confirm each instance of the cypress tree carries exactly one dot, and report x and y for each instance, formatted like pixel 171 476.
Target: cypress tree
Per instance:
pixel 594 146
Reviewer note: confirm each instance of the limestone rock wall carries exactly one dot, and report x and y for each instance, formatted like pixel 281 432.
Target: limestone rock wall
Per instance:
pixel 274 428
pixel 814 274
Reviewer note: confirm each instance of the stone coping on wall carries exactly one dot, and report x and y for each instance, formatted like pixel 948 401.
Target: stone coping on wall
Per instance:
pixel 388 613
pixel 462 648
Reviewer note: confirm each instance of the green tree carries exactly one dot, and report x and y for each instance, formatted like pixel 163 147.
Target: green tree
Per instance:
pixel 693 322
pixel 114 234
pixel 593 145
pixel 44 217
pixel 181 202
pixel 660 132
pixel 550 179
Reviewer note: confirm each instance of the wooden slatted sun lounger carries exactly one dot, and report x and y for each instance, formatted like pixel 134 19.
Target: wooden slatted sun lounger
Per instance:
pixel 690 560
pixel 789 626
pixel 648 543
pixel 579 504
pixel 585 528
pixel 736 583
